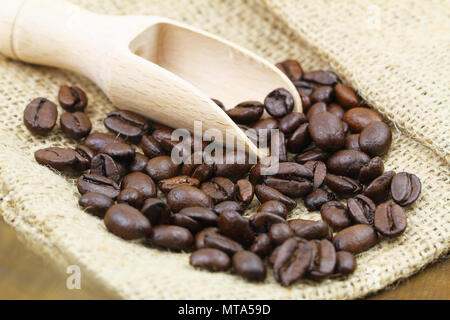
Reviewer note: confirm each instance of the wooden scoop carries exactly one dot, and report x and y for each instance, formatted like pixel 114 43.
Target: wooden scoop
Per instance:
pixel 157 67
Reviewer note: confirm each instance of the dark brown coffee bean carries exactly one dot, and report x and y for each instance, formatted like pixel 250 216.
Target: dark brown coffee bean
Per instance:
pixel 355 239
pixel 266 193
pixel 375 139
pixel 244 191
pixel 168 184
pixel 104 165
pixel 291 68
pixel 236 227
pixel 320 171
pixel 156 211
pixel 261 222
pixel 249 266
pixel 346 96
pixel 195 218
pixel 120 151
pixel 141 182
pixel 321 77
pixel 371 170
pixel 305 87
pixel 210 259
pixel 96 183
pixel 336 109
pixel 200 237
pixel 219 189
pixel 219 103
pixel 361 209
pixel 335 215
pixel 359 118
pixel 202 172
pixel 306 102
pixel 75 125
pixel 280 146
pixel 378 189
pixel 292 260
pixel 187 196
pixel 352 142
pixel 322 94
pixel 127 124
pixel 60 159
pixel 390 219
pixel 256 176
pixel 131 197
pixel 263 129
pixel 343 186
pixel 234 165
pixel 162 167
pixel 290 122
pixel 138 164
pixel 97 141
pixel 279 103
pixel 275 207
pixel 72 99
pixel 310 229
pixel 347 163
pixel 299 139
pixel 151 147
pixel 164 137
pixel 323 259
pixel 229 205
pixel 220 242
pixel 280 232
pixel 84 157
pixel 317 198
pixel 40 116
pixel 327 131
pixel 126 222
pixel 314 154
pixel 262 245
pixel 172 237
pixel 345 262
pixel 316 108
pixel 246 112
pixel 95 203
pixel 405 188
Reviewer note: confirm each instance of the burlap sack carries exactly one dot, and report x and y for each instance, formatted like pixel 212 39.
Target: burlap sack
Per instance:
pixel 396 54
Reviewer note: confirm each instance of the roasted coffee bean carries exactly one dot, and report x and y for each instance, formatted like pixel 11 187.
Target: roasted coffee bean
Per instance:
pixel 202 172
pixel 168 184
pixel 316 108
pixel 263 129
pixel 265 193
pixel 347 163
pixel 164 137
pixel 219 103
pixel 261 222
pixel 72 99
pixel 355 239
pixel 40 116
pixel 352 142
pixel 322 94
pixel 156 211
pixel 292 260
pixel 291 68
pixel 172 237
pixel 346 96
pixel 195 218
pixel 220 242
pixel 187 196
pixel 219 189
pixel 405 188
pixel 280 146
pixel 378 189
pixel 335 215
pixel 280 232
pixel 323 259
pixel 104 165
pixel 327 131
pixel 95 203
pixel 249 266
pixel 162 167
pixel 234 165
pixel 310 229
pixel 275 207
pixel 75 125
pixel 317 198
pixel 375 139
pixel 262 245
pixel 342 186
pixel 97 141
pixel 359 118
pixel 257 172
pixel 84 157
pixel 390 219
pixel 244 191
pixel 246 112
pixel 321 77
pixel 345 262
pixel 200 237
pixel 305 87
pixel 210 259
pixel 361 209
pixel 126 222
pixel 127 124
pixel 131 197
pixel 314 154
pixel 371 170
pixel 320 171
pixel 120 151
pixel 306 102
pixel 279 103
pixel 96 183
pixel 299 139
pixel 336 109
pixel 60 159
pixel 236 227
pixel 151 147
pixel 138 164
pixel 141 182
pixel 228 205
pixel 290 122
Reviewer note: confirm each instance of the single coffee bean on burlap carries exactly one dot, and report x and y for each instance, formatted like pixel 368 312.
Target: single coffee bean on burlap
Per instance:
pixel 97 183
pixel 60 159
pixel 347 163
pixel 279 103
pixel 310 229
pixel 246 112
pixel 219 189
pixel 120 151
pixel 172 237
pixel 210 259
pixel 126 222
pixel 317 198
pixel 244 192
pixel 321 77
pixel 343 186
pixel 327 132
pixel 361 209
pixel 75 125
pixel 166 185
pixel 390 219
pixel 151 147
pixel 322 94
pixel 280 232
pixel 345 262
pixel 195 218
pixel 405 188
pixel 262 245
pixel 161 167
pixel 40 116
pixel 104 165
pixel 95 203
pixel 97 141
pixel 229 205
pixel 188 196
pixel 291 68
pixel 378 189
pixel 141 182
pixel 236 227
pixel 355 239
pixel 221 242
pixel 319 170
pixel 323 259
pixel 359 118
pixel 156 211
pixel 128 124
pixel 346 96
pixel 371 170
pixel 290 122
pixel 131 197
pixel 72 99
pixel 375 139
pixel 84 157
pixel 335 215
pixel 265 193
pixel 275 207
pixel 249 266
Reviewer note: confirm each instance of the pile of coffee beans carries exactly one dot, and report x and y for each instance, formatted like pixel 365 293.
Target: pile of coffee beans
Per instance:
pixel 330 156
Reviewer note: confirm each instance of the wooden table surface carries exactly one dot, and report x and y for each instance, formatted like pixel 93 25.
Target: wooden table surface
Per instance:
pixel 24 275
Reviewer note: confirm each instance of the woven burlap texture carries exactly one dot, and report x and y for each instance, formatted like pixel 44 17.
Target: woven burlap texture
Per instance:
pixel 394 53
